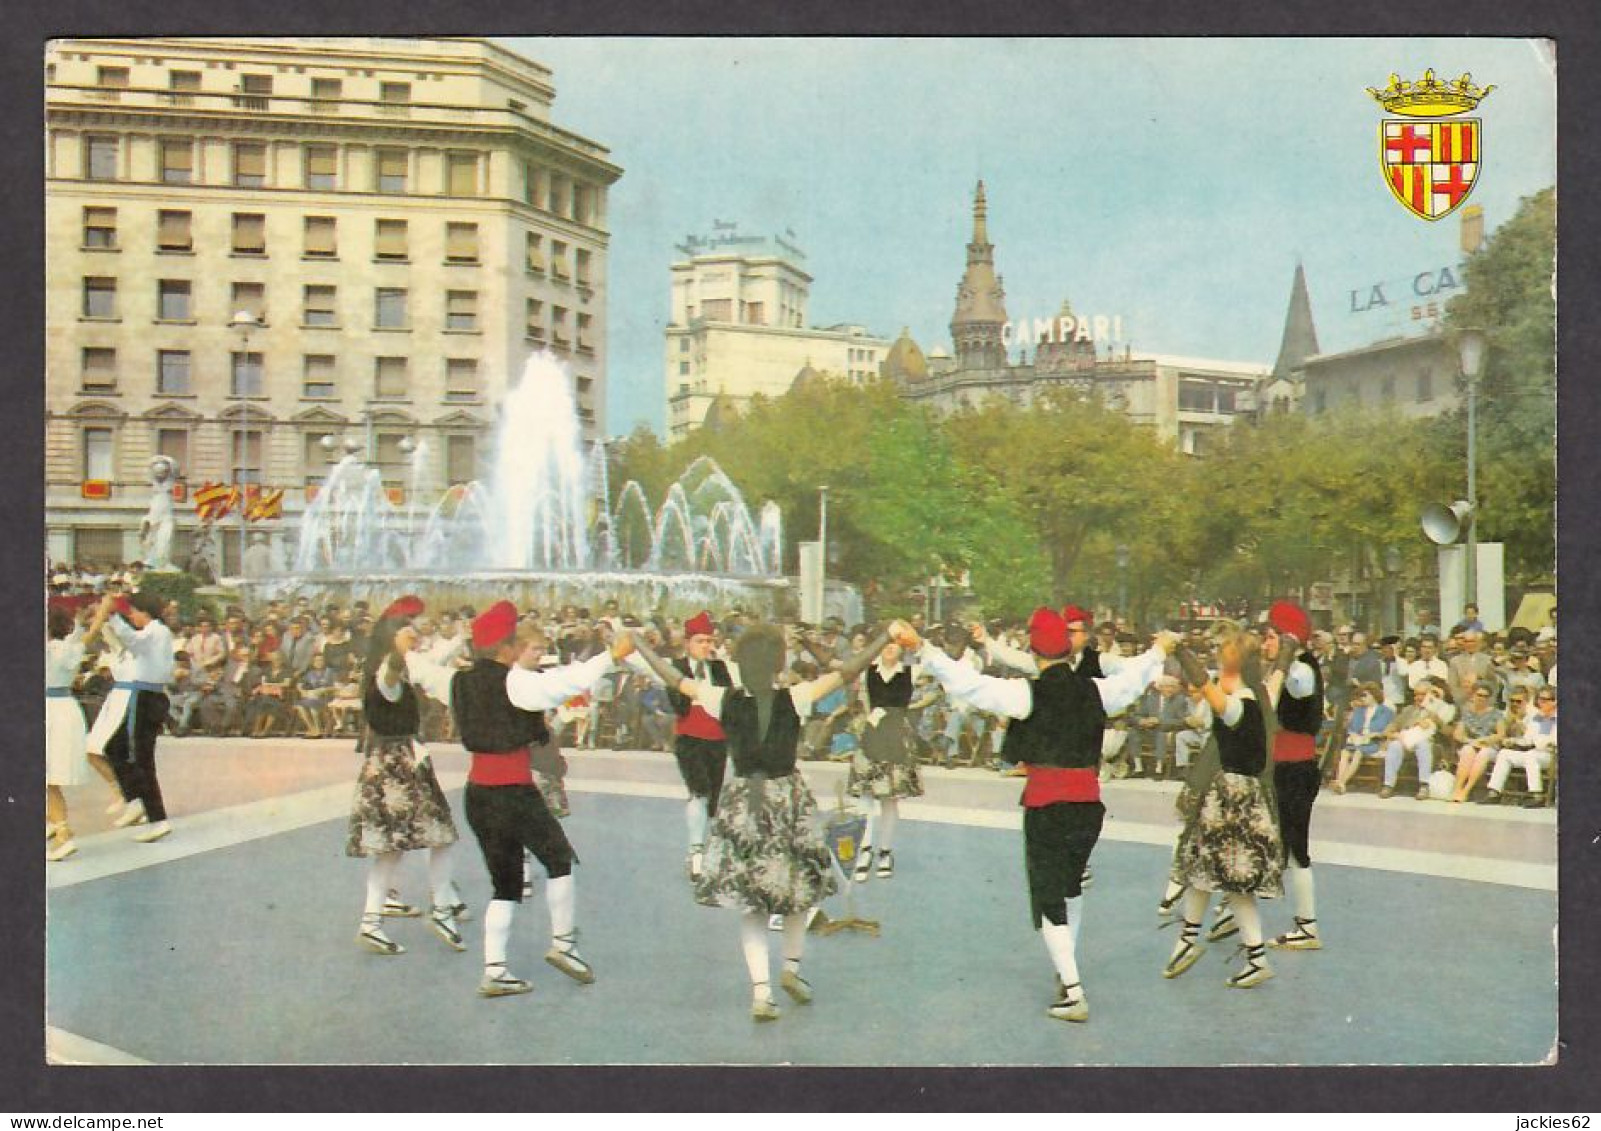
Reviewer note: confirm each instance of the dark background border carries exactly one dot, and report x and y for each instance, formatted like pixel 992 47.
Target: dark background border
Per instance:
pixel 28 1085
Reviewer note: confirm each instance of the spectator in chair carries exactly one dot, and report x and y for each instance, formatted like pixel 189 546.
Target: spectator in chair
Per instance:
pixel 1370 718
pixel 1477 747
pixel 1413 732
pixel 1428 665
pixel 1533 753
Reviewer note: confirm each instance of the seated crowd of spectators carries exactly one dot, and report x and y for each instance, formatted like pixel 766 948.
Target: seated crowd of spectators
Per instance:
pixel 1477 705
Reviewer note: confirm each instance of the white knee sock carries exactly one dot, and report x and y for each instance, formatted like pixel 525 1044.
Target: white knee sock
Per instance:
pixel 794 940
pixel 1063 951
pixel 753 939
pixel 1172 893
pixel 1248 917
pixel 696 820
pixel 559 898
pixel 497 930
pixel 380 878
pixel 441 866
pixel 888 812
pixel 1194 905
pixel 1305 897
pixel 1075 917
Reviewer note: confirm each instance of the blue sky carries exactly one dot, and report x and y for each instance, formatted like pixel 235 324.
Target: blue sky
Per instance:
pixel 1175 182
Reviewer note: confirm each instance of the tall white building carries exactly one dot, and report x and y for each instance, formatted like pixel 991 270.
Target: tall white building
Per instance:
pixel 400 221
pixel 739 328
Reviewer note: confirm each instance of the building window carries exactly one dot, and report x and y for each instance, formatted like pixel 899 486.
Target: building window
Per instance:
pixel 393 464
pixel 99 298
pixel 249 233
pixel 172 373
pixel 321 240
pixel 683 369
pixel 255 84
pixel 1426 385
pixel 755 315
pixel 558 325
pixel 461 174
pixel 183 82
pixel 114 77
pixel 583 203
pixel 174 444
pixel 584 344
pixel 314 458
pixel 318 309
pixel 461 459
pixel 389 379
pixel 249 164
pixel 558 259
pixel 391 170
pixel 322 167
pixel 461 379
pixel 683 345
pixel 172 300
pixel 99 369
pixel 394 92
pixel 173 232
pixel 582 260
pixel 100 161
pixel 461 243
pixel 1225 399
pixel 536 320
pixel 391 309
pixel 246 451
pixel 717 310
pixel 251 299
pixel 318 379
pixel 327 88
pixel 100 227
pixel 389 239
pixel 461 310
pixel 177 160
pixel 533 192
pixel 247 381
pixel 560 194
pixel 97 462
pixel 536 257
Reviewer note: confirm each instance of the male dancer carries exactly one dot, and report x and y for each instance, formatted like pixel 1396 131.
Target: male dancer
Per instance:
pixel 1295 688
pixel 499 706
pixel 1058 717
pixel 131 749
pixel 699 744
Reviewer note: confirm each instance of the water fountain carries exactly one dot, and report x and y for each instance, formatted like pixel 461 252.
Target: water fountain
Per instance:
pixel 543 528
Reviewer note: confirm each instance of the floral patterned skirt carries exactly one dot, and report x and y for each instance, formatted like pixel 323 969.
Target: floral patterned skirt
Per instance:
pixel 1231 843
pixel 399 805
pixel 765 852
pixel 885 768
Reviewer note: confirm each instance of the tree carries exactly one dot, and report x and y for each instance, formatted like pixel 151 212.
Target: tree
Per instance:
pixel 1510 295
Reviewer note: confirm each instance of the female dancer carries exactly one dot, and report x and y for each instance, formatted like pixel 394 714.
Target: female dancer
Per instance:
pixel 399 805
pixel 765 854
pixel 64 732
pixel 1229 843
pixel 884 768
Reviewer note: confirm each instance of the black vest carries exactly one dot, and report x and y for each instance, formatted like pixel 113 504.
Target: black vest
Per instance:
pixel 772 754
pixel 1303 716
pixel 896 692
pixel 1066 725
pixel 390 720
pixel 720 678
pixel 486 718
pixel 1242 748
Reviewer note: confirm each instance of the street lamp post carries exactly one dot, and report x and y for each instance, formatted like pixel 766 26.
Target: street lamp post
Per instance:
pixel 1470 346
pixel 243 321
pixel 1122 580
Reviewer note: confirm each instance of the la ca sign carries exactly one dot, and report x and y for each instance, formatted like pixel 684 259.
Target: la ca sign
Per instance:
pixel 1425 284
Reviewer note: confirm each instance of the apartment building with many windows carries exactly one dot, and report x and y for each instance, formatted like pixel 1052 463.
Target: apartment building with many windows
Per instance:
pixel 262 253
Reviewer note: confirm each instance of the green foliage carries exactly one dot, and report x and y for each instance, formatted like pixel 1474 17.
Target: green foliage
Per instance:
pixel 1510 296
pixel 178 587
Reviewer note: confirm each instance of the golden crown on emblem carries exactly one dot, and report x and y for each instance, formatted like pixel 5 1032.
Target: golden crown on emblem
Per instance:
pixel 1429 97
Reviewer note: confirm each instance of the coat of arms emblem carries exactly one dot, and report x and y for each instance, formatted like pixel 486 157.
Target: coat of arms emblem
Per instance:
pixel 1430 159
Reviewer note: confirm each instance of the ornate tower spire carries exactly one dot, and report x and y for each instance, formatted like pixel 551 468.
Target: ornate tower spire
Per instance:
pixel 1300 335
pixel 980 300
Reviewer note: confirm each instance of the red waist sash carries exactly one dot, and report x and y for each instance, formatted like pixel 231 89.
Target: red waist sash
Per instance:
pixel 1292 746
pixel 698 724
pixel 504 767
pixel 1050 784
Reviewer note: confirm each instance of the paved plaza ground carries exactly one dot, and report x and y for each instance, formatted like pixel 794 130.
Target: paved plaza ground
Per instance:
pixel 1440 925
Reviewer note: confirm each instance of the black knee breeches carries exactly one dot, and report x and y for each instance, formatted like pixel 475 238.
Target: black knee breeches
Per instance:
pixel 1296 784
pixel 507 819
pixel 1057 842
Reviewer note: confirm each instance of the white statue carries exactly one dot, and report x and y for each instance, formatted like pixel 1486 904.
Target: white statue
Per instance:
pixel 155 530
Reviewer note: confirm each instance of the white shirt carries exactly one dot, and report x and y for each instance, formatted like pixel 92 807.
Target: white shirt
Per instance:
pixel 803 695
pixel 150 649
pixel 62 657
pixel 1014 698
pixel 529 690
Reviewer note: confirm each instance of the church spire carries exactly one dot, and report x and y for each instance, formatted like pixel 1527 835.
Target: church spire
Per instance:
pixel 980 300
pixel 1300 335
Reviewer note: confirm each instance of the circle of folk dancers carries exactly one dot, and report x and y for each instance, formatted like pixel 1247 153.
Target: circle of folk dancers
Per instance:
pixel 755 840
